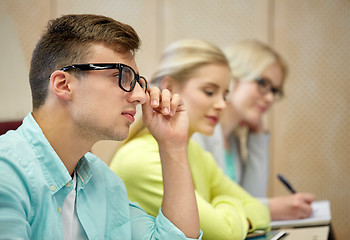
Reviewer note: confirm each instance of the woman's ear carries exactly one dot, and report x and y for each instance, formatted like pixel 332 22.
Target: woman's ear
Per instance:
pixel 60 85
pixel 168 83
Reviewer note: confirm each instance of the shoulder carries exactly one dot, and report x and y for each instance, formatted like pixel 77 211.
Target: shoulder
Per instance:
pixel 13 142
pixel 200 157
pixel 195 149
pixel 142 144
pixel 16 155
pixel 136 153
pixel 18 171
pixel 136 159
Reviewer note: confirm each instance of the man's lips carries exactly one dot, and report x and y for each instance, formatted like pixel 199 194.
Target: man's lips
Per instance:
pixel 129 115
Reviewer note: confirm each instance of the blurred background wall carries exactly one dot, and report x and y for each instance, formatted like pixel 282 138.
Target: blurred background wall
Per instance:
pixel 310 130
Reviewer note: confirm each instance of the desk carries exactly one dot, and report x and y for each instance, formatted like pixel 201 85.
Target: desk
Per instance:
pixel 307 233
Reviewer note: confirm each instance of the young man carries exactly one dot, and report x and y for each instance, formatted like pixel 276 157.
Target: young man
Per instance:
pixel 85 88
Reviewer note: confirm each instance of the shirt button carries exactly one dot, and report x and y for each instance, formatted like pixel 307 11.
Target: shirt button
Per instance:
pixel 68 184
pixel 59 210
pixel 52 188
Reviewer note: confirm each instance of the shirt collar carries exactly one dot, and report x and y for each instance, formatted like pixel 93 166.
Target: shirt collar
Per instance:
pixel 84 171
pixel 53 169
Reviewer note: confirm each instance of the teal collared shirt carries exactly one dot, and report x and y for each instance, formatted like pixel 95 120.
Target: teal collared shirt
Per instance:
pixel 34 183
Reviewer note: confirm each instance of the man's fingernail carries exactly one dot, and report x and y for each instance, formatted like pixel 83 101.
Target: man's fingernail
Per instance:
pixel 154 102
pixel 165 110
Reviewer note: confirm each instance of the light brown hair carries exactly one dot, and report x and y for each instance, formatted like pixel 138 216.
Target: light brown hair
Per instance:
pixel 67 40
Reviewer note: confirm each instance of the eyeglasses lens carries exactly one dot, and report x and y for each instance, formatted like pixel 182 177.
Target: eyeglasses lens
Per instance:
pixel 265 87
pixel 127 78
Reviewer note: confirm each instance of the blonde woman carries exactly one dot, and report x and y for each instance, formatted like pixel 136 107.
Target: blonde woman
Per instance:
pixel 199 72
pixel 259 74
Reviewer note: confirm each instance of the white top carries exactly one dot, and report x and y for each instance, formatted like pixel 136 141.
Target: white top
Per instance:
pixel 72 228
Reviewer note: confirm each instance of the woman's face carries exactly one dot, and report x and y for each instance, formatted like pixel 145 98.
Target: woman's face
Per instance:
pixel 204 95
pixel 249 101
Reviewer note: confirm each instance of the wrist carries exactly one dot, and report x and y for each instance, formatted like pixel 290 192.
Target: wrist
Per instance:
pixel 173 153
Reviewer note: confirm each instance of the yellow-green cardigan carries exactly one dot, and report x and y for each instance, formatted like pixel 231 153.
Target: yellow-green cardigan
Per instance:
pixel 223 205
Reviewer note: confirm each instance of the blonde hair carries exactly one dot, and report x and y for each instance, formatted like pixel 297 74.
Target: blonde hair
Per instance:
pixel 179 61
pixel 249 58
pixel 183 57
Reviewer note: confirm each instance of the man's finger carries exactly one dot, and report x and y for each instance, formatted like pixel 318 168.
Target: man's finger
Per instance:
pixel 165 101
pixel 154 97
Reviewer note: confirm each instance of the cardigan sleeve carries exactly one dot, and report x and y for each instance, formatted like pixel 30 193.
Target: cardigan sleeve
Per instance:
pixel 142 176
pixel 222 216
pixel 231 204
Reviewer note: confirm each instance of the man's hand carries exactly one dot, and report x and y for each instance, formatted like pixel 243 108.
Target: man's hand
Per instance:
pixel 165 116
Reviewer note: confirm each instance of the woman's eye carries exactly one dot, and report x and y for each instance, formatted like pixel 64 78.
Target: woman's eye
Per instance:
pixel 263 82
pixel 226 97
pixel 208 93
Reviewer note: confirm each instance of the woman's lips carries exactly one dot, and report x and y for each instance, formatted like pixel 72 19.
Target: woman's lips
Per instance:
pixel 213 119
pixel 262 109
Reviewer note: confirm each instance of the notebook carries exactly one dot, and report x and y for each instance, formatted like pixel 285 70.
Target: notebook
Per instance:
pixel 308 233
pixel 273 235
pixel 321 216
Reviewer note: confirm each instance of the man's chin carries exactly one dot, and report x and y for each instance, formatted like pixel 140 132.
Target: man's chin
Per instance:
pixel 119 136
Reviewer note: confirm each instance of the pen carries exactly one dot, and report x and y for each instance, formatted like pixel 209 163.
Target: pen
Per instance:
pixel 286 183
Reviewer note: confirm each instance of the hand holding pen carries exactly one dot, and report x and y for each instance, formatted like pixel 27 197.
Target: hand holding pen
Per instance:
pixel 286 183
pixel 294 206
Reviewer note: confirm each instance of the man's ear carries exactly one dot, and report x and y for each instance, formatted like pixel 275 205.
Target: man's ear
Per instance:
pixel 60 84
pixel 168 83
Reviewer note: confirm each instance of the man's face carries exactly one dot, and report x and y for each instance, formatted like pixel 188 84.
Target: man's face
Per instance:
pixel 100 109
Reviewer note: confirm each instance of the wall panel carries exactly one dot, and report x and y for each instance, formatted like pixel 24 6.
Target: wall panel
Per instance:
pixel 21 23
pixel 311 130
pixel 219 22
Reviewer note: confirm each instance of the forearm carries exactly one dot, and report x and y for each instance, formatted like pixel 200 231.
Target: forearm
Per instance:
pixel 179 201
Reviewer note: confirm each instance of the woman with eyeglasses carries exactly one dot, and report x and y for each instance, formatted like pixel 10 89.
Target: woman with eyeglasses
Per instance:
pixel 240 143
pixel 199 72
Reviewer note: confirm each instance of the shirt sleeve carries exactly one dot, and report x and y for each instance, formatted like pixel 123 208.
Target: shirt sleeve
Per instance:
pixel 144 226
pixel 14 202
pixel 256 169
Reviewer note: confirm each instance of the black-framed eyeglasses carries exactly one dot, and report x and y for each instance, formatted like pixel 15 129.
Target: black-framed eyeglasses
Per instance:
pixel 265 86
pixel 127 77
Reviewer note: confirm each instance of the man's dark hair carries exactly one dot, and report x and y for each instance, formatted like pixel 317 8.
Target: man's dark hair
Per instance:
pixel 67 40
